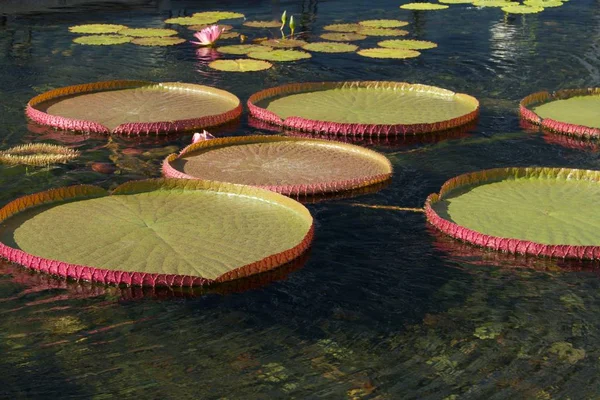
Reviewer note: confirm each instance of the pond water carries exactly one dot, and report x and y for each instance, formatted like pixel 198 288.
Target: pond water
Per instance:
pixel 383 306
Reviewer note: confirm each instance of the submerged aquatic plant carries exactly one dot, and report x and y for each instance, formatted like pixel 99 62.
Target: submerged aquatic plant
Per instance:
pixel 38 154
pixel 208 36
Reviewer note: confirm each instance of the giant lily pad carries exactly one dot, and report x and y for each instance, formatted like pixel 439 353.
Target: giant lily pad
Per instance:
pixel 147 32
pixel 155 233
pixel 363 108
pixel 494 3
pixel 572 111
pixel 342 27
pixel 330 47
pixel 383 23
pixel 102 40
pixel 218 15
pixel 158 41
pixel 134 107
pixel 407 44
pixel 423 6
pixel 343 36
pixel 283 164
pixel 239 49
pixel 279 55
pixel 380 52
pixel 539 211
pixel 543 3
pixel 240 65
pixel 283 43
pixel 96 28
pixel 521 9
pixel 38 154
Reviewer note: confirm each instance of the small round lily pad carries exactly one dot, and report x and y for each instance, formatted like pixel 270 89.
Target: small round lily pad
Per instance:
pixel 198 28
pixel 218 15
pixel 520 9
pixel 543 3
pixel 229 35
pixel 494 3
pixel 158 41
pixel 283 43
pixel 96 28
pixel 383 23
pixel 190 21
pixel 388 53
pixel 279 55
pixel 382 32
pixel 343 36
pixel 330 47
pixel 423 6
pixel 147 32
pixel 407 44
pixel 240 65
pixel 102 40
pixel 342 27
pixel 262 24
pixel 239 49
pixel 456 1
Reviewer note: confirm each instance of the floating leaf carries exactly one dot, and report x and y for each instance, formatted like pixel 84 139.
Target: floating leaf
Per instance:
pixel 239 49
pixel 382 32
pixel 494 3
pixel 423 6
pixel 240 65
pixel 456 1
pixel 283 43
pixel 262 24
pixel 96 28
pixel 198 28
pixel 218 15
pixel 520 9
pixel 342 27
pixel 102 40
pixel 279 55
pixel 330 47
pixel 388 53
pixel 543 3
pixel 147 32
pixel 383 23
pixel 190 21
pixel 38 154
pixel 158 41
pixel 343 36
pixel 572 111
pixel 407 44
pixel 229 35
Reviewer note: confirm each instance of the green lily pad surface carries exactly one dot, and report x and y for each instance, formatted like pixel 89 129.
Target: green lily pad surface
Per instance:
pixel 283 43
pixel 96 28
pixel 330 47
pixel 383 23
pixel 225 28
pixel 423 6
pixel 456 1
pixel 191 21
pixel 382 32
pixel 239 49
pixel 407 44
pixel 240 65
pixel 494 3
pixel 580 110
pixel 279 55
pixel 379 52
pixel 218 15
pixel 543 3
pixel 342 27
pixel 166 227
pixel 147 32
pixel 262 24
pixel 540 208
pixel 411 104
pixel 343 36
pixel 521 9
pixel 102 40
pixel 158 41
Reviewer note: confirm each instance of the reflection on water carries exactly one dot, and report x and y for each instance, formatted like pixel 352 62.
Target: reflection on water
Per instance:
pixel 383 307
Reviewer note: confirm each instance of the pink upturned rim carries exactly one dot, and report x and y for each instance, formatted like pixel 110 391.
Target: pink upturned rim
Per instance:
pixel 133 128
pixel 290 190
pixel 328 127
pixel 539 98
pixel 106 276
pixel 515 246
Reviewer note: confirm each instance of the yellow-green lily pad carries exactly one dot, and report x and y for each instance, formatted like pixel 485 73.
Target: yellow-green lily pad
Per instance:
pixel 96 28
pixel 239 49
pixel 190 21
pixel 494 3
pixel 279 55
pixel 343 36
pixel 543 3
pixel 283 43
pixel 382 32
pixel 456 1
pixel 240 65
pixel 147 32
pixel 330 47
pixel 342 27
pixel 407 44
pixel 158 41
pixel 218 15
pixel 102 40
pixel 423 6
pixel 198 28
pixel 229 35
pixel 520 9
pixel 383 23
pixel 388 53
pixel 262 24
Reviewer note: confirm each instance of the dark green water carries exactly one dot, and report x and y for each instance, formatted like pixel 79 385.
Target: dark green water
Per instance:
pixel 383 307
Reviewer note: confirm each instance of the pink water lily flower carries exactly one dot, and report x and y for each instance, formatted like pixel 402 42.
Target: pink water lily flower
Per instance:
pixel 208 36
pixel 198 137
